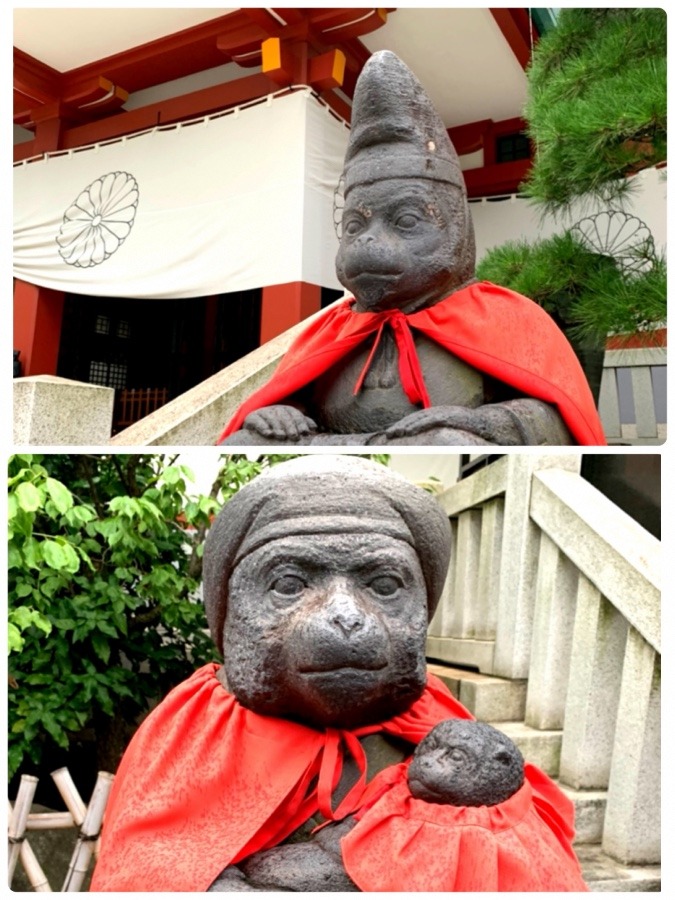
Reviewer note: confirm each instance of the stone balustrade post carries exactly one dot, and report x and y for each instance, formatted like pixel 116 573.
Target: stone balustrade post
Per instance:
pixel 50 410
pixel 632 831
pixel 596 665
pixel 553 625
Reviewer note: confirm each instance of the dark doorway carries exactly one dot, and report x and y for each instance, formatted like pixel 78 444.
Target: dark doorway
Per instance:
pixel 150 351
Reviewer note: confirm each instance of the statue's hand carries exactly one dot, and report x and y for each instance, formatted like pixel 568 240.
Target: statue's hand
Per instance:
pixel 232 879
pixel 520 422
pixel 280 423
pixel 470 427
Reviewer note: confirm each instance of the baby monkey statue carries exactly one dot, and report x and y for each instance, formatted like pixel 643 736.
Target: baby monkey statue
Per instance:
pixel 423 353
pixel 459 763
pixel 288 767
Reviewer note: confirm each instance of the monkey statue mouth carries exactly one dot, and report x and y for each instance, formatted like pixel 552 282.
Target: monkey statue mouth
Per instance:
pixel 335 667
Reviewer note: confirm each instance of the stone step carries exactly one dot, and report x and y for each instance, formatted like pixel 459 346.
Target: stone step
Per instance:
pixel 602 874
pixel 541 748
pixel 489 698
pixel 589 813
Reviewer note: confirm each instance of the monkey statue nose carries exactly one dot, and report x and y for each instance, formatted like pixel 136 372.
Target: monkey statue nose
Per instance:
pixel 345 613
pixel 348 624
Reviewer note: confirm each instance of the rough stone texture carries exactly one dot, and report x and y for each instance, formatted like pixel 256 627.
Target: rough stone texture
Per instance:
pixel 54 411
pixel 589 814
pixel 319 578
pixel 604 874
pixel 633 828
pixel 553 625
pixel 541 748
pixel 596 665
pixel 407 243
pixel 464 763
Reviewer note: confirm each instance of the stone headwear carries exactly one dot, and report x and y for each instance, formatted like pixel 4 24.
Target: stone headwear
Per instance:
pixel 395 131
pixel 323 494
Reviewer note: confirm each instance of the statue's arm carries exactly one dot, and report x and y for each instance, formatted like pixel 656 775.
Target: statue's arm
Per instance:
pixel 285 422
pixel 520 422
pixel 314 865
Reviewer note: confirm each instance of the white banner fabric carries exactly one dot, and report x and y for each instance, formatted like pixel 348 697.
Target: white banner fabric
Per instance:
pixel 232 202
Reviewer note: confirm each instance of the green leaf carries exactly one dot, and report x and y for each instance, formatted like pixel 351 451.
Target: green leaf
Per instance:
pixel 28 496
pixel 14 639
pixel 54 554
pixel 59 555
pixel 63 499
pixel 172 474
pixel 54 729
pixel 101 647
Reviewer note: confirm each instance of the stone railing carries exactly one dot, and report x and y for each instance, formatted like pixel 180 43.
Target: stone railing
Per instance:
pixel 629 409
pixel 50 410
pixel 551 582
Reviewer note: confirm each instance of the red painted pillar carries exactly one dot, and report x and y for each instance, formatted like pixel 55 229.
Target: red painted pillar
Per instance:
pixel 38 314
pixel 284 305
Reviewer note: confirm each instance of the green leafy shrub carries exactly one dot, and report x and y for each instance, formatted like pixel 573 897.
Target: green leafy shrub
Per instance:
pixel 104 563
pixel 104 560
pixel 586 293
pixel 596 108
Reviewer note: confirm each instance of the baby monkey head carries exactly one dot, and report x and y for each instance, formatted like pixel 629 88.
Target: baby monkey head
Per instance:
pixel 465 763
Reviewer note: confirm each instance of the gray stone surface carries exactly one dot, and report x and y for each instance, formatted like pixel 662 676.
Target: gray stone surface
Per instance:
pixel 464 763
pixel 407 243
pixel 319 578
pixel 56 411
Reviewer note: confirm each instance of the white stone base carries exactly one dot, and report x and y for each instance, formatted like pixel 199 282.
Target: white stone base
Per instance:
pixel 55 411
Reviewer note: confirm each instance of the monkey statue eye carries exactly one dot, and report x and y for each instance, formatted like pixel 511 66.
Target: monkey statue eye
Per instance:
pixel 352 227
pixel 503 756
pixel 457 755
pixel 288 585
pixel 385 585
pixel 407 221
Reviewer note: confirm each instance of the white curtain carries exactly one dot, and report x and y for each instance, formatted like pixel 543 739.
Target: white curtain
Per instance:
pixel 232 202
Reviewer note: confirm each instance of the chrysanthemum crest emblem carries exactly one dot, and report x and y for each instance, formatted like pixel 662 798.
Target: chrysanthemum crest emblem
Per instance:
pixel 99 220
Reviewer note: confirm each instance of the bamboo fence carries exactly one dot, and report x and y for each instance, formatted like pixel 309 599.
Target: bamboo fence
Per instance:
pixel 78 815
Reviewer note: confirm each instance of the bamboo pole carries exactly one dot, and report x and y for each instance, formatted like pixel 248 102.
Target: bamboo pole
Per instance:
pixel 48 820
pixel 31 866
pixel 88 833
pixel 17 822
pixel 66 787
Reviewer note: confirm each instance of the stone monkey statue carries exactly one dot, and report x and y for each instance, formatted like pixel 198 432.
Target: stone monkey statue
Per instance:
pixel 423 354
pixel 320 577
pixel 462 763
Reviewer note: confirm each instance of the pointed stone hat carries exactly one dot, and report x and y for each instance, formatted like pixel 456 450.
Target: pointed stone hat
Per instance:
pixel 396 132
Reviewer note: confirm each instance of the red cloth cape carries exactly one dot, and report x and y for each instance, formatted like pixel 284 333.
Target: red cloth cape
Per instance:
pixel 401 843
pixel 205 783
pixel 497 331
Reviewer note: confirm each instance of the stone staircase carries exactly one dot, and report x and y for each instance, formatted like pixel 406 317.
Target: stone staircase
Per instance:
pixel 501 703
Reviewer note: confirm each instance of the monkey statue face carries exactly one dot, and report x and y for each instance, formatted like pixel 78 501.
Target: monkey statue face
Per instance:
pixel 406 244
pixel 327 629
pixel 465 763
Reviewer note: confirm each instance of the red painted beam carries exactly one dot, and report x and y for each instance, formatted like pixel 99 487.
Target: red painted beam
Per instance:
pixel 284 305
pixel 38 314
pixel 514 24
pixel 165 59
pixel 176 109
pixel 35 81
pixel 499 178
